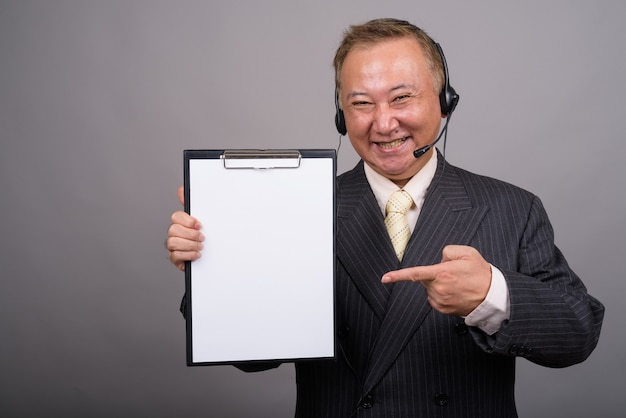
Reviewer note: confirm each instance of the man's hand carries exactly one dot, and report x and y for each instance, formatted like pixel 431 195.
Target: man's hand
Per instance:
pixel 457 285
pixel 184 239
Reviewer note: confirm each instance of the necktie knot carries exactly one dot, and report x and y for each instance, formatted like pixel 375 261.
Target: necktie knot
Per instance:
pixel 396 221
pixel 400 201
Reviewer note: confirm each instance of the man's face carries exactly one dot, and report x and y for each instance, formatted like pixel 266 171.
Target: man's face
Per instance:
pixel 390 106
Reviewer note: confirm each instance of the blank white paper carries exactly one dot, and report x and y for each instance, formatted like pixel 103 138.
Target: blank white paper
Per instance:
pixel 264 286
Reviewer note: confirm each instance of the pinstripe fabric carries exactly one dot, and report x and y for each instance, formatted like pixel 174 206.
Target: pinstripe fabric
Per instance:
pixel 400 358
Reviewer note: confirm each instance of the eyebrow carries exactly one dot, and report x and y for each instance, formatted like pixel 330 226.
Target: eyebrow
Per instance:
pixel 391 90
pixel 402 86
pixel 356 93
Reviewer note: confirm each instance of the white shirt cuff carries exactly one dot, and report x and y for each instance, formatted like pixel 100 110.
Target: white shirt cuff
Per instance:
pixel 488 316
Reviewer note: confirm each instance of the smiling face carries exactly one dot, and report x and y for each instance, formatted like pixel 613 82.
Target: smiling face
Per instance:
pixel 390 105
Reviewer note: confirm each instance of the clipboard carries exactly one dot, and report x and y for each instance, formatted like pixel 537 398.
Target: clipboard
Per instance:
pixel 263 289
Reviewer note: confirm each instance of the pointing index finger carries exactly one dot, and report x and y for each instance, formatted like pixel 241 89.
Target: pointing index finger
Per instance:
pixel 412 274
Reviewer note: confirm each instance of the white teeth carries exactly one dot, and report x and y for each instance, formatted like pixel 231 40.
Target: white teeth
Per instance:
pixel 392 143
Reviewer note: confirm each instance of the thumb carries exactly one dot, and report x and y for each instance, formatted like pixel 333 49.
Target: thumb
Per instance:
pixel 181 195
pixel 456 252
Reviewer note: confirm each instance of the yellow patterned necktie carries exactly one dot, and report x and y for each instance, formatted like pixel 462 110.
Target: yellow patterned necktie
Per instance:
pixel 396 221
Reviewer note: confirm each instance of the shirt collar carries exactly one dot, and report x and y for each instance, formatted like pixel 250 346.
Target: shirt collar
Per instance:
pixel 383 188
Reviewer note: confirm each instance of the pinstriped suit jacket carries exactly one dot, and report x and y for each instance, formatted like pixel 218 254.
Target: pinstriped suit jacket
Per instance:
pixel 400 358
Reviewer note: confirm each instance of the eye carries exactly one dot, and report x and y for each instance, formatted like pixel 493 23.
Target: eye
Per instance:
pixel 402 98
pixel 362 105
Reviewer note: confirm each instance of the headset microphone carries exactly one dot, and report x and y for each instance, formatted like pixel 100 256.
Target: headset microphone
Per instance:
pixel 423 150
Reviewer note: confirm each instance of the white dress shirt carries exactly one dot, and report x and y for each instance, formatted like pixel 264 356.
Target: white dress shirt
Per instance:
pixel 488 316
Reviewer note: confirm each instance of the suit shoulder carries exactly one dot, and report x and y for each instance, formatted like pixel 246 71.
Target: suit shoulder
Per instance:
pixel 487 189
pixel 353 177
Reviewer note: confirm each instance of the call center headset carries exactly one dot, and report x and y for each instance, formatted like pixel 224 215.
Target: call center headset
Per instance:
pixel 448 99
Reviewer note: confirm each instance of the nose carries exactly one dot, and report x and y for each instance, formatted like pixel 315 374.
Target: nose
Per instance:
pixel 385 121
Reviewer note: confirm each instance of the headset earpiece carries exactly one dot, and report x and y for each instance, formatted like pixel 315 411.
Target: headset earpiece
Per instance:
pixel 340 120
pixel 448 98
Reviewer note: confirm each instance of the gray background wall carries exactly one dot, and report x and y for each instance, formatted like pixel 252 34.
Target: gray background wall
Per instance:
pixel 99 99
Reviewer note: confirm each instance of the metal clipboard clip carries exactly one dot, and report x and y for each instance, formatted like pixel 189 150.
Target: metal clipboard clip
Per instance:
pixel 261 159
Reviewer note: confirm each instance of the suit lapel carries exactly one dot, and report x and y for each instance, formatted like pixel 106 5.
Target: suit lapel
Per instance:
pixel 363 245
pixel 446 218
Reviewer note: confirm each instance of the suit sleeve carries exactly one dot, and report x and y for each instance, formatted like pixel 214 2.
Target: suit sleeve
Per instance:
pixel 553 321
